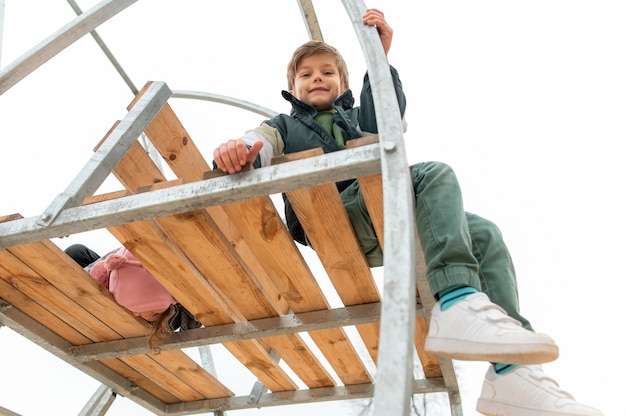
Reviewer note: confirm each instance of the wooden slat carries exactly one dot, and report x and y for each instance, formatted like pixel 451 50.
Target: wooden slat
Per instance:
pixel 139 379
pixel 30 280
pixel 165 379
pixel 23 302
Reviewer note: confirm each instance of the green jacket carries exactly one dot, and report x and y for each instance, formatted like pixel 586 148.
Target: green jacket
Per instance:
pixel 299 131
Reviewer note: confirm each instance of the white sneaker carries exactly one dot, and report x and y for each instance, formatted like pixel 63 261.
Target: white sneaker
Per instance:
pixel 476 329
pixel 527 391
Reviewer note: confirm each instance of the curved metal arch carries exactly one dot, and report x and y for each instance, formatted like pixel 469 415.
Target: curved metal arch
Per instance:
pixel 397 327
pixel 403 256
pixel 223 99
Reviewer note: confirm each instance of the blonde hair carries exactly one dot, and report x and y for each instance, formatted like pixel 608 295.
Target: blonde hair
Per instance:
pixel 161 329
pixel 315 47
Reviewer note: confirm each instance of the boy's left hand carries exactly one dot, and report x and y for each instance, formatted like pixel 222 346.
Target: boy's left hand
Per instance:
pixel 374 17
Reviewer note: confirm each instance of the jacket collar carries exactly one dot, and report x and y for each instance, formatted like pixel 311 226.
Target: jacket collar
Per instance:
pixel 344 102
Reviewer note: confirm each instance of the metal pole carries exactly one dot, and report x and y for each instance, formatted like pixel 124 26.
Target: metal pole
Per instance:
pixel 99 403
pixel 397 325
pixel 59 40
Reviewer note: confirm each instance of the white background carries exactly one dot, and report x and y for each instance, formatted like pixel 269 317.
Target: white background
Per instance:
pixel 525 100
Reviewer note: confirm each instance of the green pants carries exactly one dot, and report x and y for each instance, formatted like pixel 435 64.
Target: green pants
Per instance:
pixel 459 248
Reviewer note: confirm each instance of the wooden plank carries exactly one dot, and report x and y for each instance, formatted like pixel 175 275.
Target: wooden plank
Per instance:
pixel 30 307
pixel 192 374
pixel 339 252
pixel 139 379
pixel 165 379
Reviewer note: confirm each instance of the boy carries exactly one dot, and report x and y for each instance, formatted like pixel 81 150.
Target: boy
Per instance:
pixel 476 316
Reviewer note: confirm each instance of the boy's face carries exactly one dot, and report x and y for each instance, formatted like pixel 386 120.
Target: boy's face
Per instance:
pixel 317 81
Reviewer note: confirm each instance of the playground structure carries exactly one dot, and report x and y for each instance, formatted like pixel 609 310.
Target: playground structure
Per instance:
pixel 205 231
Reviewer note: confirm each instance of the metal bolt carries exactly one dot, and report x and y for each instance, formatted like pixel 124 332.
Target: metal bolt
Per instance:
pixel 389 146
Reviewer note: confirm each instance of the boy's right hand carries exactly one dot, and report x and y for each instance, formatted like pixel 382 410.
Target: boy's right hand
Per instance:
pixel 231 156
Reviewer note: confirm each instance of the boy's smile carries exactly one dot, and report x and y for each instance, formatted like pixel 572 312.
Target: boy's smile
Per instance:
pixel 318 81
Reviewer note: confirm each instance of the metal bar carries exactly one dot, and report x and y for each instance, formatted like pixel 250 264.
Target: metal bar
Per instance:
pixel 93 174
pixel 206 358
pixel 349 163
pixel 48 340
pixel 207 362
pixel 107 51
pixel 99 403
pixel 316 395
pixel 7 412
pixel 310 19
pixel 58 41
pixel 428 301
pixel 394 376
pixel 259 389
pixel 222 99
pixel 238 331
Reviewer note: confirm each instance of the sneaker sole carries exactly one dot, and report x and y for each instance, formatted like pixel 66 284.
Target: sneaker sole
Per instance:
pixel 509 354
pixel 493 408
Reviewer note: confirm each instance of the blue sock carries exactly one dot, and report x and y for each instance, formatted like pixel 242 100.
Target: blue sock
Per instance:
pixel 503 368
pixel 451 295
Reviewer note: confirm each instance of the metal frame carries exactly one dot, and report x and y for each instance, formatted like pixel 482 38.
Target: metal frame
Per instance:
pixel 99 403
pixel 394 381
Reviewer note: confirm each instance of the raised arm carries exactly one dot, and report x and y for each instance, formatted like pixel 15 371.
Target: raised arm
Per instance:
pixel 374 17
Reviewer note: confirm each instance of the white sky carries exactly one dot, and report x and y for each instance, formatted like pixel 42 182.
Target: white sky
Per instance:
pixel 525 100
